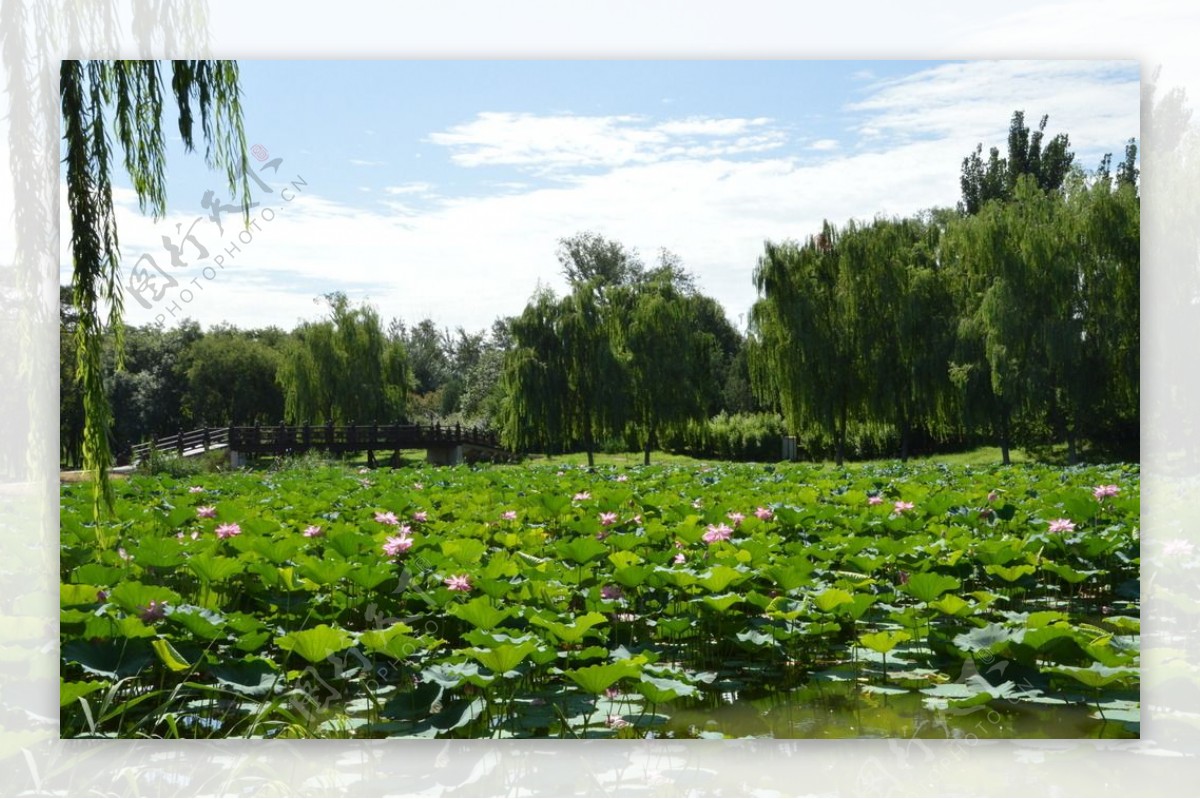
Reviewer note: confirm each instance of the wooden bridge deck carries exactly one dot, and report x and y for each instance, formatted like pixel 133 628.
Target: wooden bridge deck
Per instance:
pixel 443 444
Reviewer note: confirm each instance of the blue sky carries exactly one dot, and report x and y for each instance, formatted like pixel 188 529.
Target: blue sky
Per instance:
pixel 440 188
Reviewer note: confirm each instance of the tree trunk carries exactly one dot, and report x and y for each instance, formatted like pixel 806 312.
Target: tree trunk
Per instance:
pixel 1072 452
pixel 840 435
pixel 587 442
pixel 1004 454
pixel 649 439
pixel 904 436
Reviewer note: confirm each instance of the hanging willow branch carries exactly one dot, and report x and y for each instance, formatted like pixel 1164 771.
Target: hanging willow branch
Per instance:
pixel 129 95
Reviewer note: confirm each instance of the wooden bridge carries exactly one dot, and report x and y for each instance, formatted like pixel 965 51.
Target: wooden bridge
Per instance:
pixel 443 445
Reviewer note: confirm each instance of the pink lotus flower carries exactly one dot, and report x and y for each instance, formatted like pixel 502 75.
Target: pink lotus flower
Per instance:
pixel 206 512
pixel 615 722
pixel 420 516
pixel 621 478
pixel 196 489
pixel 611 592
pixel 386 518
pixel 123 555
pixel 1062 526
pixel 397 544
pixel 766 514
pixel 312 531
pixel 902 506
pixel 717 532
pixel 993 496
pixel 228 530
pixel 581 496
pixel 365 483
pixel 608 519
pixel 1103 492
pixel 1178 547
pixel 679 544
pixel 509 516
pixel 697 504
pixel 153 612
pixel 612 692
pixel 874 499
pixel 418 486
pixel 735 517
pixel 601 535
pixel 460 582
pixel 637 519
pixel 680 558
pixel 363 470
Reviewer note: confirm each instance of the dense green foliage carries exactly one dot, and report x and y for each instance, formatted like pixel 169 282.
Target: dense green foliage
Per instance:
pixel 343 368
pixel 517 601
pixel 631 353
pixel 1012 320
pixel 1015 318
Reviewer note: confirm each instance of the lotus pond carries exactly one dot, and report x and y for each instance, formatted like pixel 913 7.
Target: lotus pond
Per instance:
pixel 532 601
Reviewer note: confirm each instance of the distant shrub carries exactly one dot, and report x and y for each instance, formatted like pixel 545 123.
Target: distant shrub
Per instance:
pixel 310 461
pixel 170 464
pixel 738 437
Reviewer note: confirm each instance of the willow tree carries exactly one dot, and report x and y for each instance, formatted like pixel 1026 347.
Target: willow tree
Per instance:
pixel 596 381
pixel 801 347
pixel 901 323
pixel 666 354
pixel 534 379
pixel 100 98
pixel 344 368
pixel 1108 217
pixel 1020 263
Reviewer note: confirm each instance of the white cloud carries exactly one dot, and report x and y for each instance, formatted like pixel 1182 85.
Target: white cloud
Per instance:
pixel 967 103
pixel 824 145
pixel 472 259
pixel 556 142
pixel 408 188
pixel 363 162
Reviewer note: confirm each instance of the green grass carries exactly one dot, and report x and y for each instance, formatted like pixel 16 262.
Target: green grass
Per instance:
pixel 982 456
pixel 614 459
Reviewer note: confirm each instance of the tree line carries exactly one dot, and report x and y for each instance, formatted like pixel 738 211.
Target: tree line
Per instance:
pixel 345 368
pixel 1012 318
pixel 631 353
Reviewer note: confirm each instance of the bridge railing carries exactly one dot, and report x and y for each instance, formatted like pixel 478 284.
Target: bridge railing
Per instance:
pixel 283 438
pixel 203 439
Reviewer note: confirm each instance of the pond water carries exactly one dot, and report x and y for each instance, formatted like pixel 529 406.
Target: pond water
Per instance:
pixel 841 710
